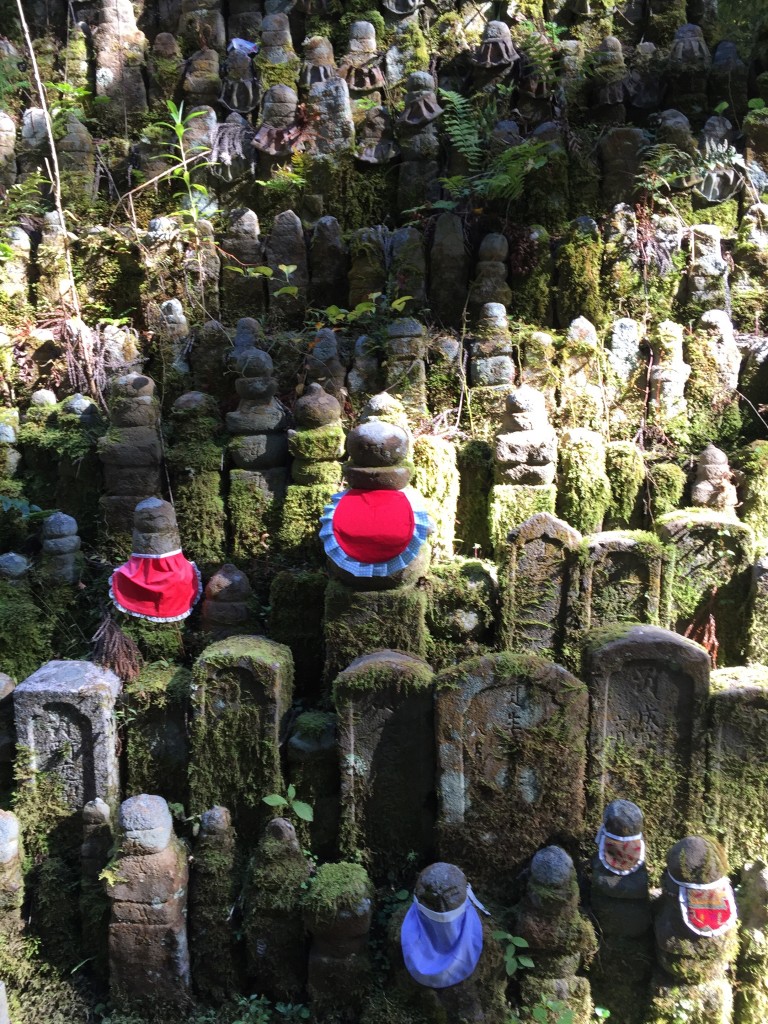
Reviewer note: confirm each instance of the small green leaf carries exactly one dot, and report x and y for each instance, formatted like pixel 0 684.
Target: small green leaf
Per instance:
pixel 402 894
pixel 275 800
pixel 288 289
pixel 264 271
pixel 291 792
pixel 501 935
pixel 303 811
pixel 516 940
pixel 287 268
pixel 525 961
pixel 399 303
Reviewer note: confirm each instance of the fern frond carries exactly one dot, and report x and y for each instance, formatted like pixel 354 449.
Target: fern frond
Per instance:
pixel 461 125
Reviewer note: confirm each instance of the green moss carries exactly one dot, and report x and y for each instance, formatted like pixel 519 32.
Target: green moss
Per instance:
pixel 213 894
pixel 625 469
pixel 531 279
pixel 157 641
pixel 708 1004
pixel 411 40
pixel 25 632
pixel 462 605
pixel 709 575
pixel 475 461
pixel 325 442
pixel 296 619
pixel 353 193
pixel 754 509
pixel 336 888
pixel 321 474
pixel 666 483
pixel 584 491
pixel 242 686
pixel 410 677
pixel 713 409
pixel 358 622
pixel 437 478
pixel 511 504
pixel 154 710
pixel 277 877
pixel 577 264
pixel 298 534
pixel 254 515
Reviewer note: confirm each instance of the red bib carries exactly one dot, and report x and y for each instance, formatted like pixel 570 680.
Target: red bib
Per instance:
pixel 162 588
pixel 373 526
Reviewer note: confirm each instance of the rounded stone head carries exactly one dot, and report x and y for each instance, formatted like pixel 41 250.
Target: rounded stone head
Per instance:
pixel 133 385
pixel 318 50
pixel 623 818
pixel 153 515
pixel 496 30
pixel 441 887
pixel 283 831
pixel 552 868
pixel 362 37
pixel 145 823
pixel 696 859
pixel 419 82
pixel 276 30
pixel 377 443
pixel 494 247
pixel 215 822
pixel 96 812
pixel 316 408
pixel 228 584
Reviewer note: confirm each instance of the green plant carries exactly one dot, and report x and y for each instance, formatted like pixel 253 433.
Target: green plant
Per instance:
pixel 512 960
pixel 601 1013
pixel 546 1011
pixel 186 158
pixel 289 802
pixel 293 1011
pixel 253 1010
pixel 370 307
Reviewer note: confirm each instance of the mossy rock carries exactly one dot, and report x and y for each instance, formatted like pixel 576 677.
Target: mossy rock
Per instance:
pixel 298 535
pixel 511 504
pixel 296 601
pixel 625 469
pixel 155 707
pixel 357 622
pixel 475 462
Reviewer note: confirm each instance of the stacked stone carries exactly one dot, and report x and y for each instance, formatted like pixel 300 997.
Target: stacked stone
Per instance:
pixel 379 459
pixel 406 375
pixel 195 456
pixel 201 22
pixel 525 464
pixel 227 609
pixel 94 906
pixel 259 450
pixel 277 47
pixel 693 966
pixel 607 85
pixel 274 928
pixel 323 364
pixel 496 55
pixel 319 64
pixel 119 47
pixel 490 283
pixel 584 490
pixel 419 143
pixel 359 67
pixel 687 72
pixel 713 486
pixel 148 955
pixel 60 547
pixel 338 915
pixel 131 454
pixel 10 458
pixel 212 896
pixel 442 888
pixel 491 361
pixel 622 908
pixel 560 939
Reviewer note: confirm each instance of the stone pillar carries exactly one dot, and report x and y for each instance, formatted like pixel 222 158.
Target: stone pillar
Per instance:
pixel 259 449
pixel 584 491
pixel 94 905
pixel 449 270
pixel 693 966
pixel 508 726
pixel 316 445
pixel 148 954
pixel 385 719
pixel 131 454
pixel 622 908
pixel 65 717
pixel 751 995
pixel 535 583
pixel 338 910
pixel 560 940
pixel 212 898
pixel 286 246
pixel 525 463
pixel 406 374
pixel 195 456
pixel 274 929
pixel 648 690
pixel 242 689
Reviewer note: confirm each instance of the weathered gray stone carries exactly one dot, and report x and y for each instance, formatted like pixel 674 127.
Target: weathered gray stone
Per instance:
pixel 64 716
pixel 384 704
pixel 648 690
pixel 496 721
